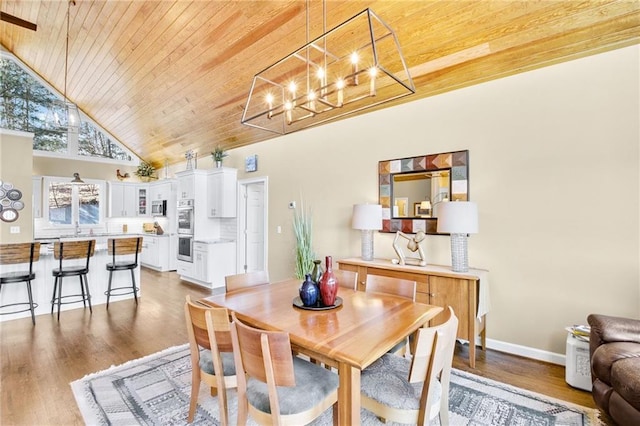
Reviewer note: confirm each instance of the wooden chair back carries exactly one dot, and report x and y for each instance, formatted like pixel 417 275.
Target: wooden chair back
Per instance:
pixel 390 285
pixel 209 328
pixel 346 279
pixel 74 249
pixel 15 253
pixel 431 361
pixel 249 279
pixel 265 355
pixel 219 339
pixel 124 246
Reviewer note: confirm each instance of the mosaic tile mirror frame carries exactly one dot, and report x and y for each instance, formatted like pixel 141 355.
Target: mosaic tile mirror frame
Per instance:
pixel 435 178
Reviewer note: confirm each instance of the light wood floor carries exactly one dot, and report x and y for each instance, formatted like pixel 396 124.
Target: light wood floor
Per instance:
pixel 38 363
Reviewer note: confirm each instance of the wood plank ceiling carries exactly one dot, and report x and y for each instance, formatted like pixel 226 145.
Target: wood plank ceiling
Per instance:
pixel 167 76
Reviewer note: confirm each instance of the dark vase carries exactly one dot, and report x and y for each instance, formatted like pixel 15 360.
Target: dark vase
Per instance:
pixel 316 274
pixel 328 284
pixel 309 291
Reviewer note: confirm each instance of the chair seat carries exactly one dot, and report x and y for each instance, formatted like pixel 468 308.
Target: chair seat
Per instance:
pixel 228 365
pixel 16 276
pixel 386 381
pixel 70 270
pixel 313 384
pixel 121 265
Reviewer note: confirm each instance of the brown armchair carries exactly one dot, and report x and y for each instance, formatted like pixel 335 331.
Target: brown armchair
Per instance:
pixel 614 346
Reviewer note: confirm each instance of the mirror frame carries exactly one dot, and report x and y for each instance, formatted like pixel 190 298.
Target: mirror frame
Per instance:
pixel 457 162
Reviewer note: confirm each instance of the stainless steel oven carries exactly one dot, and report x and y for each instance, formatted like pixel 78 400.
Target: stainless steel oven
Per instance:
pixel 185 217
pixel 185 247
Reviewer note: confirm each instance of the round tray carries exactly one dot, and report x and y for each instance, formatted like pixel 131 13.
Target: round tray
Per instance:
pixel 297 302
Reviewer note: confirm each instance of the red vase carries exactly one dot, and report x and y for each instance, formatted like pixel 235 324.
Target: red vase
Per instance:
pixel 328 284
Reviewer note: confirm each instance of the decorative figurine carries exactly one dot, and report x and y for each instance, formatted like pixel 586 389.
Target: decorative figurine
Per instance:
pixel 413 245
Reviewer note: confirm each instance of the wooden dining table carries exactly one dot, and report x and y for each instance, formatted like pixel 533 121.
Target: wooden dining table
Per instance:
pixel 349 337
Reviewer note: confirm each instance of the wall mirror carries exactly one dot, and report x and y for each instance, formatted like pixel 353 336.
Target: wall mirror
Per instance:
pixel 412 188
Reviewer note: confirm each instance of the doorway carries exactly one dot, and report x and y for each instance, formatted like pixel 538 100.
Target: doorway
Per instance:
pixel 252 225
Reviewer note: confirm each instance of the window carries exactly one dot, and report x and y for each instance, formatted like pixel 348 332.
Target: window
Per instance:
pixel 25 104
pixel 69 203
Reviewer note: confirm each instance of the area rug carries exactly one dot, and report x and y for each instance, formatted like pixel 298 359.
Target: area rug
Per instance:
pixel 155 390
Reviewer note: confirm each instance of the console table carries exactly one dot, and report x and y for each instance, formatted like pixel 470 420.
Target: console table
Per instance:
pixel 466 292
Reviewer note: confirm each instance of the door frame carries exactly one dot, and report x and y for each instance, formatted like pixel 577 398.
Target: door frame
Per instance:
pixel 241 240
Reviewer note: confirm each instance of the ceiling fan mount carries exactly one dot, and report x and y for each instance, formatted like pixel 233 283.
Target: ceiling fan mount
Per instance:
pixel 17 21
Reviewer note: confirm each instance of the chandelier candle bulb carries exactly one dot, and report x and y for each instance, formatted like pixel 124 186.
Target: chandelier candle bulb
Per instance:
pixel 372 84
pixel 354 68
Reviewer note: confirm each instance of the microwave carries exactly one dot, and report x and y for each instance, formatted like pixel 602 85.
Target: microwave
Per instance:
pixel 159 208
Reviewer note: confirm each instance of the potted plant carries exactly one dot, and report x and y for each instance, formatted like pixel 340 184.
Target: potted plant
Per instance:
pixel 218 155
pixel 302 229
pixel 145 171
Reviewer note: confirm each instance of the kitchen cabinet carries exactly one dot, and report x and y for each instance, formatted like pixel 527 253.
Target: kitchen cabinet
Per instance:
pixel 37 196
pixel 221 192
pixel 190 181
pixel 162 190
pixel 156 253
pixel 212 261
pixel 437 285
pixel 128 200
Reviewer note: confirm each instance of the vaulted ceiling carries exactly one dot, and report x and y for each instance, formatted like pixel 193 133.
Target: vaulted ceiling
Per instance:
pixel 167 76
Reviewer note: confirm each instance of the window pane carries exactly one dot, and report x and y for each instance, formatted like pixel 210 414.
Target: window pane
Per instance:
pixel 60 203
pixel 89 204
pixel 94 143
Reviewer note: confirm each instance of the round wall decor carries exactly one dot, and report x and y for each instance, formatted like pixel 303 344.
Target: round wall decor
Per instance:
pixel 10 202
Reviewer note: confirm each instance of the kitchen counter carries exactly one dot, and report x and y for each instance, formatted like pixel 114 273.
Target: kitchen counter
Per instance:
pixel 42 286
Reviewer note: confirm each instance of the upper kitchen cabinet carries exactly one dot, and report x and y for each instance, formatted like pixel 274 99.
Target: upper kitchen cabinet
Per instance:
pixel 128 199
pixel 221 192
pixel 190 181
pixel 161 190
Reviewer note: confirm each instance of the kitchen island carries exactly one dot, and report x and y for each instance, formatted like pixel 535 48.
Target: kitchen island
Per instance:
pixel 42 286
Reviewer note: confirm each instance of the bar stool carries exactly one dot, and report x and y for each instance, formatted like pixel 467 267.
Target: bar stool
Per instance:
pixel 15 254
pixel 69 250
pixel 123 247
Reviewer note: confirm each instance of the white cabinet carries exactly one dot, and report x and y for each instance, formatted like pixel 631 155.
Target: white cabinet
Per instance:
pixel 156 253
pixel 127 199
pixel 212 261
pixel 186 186
pixel 37 196
pixel 221 192
pixel 160 191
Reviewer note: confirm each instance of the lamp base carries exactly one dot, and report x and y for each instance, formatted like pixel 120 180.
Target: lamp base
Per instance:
pixel 367 244
pixel 459 258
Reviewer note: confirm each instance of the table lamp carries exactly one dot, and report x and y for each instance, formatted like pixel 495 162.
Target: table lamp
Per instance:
pixel 367 218
pixel 458 218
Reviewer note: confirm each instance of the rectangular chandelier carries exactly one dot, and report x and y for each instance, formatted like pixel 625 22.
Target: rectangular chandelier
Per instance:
pixel 355 66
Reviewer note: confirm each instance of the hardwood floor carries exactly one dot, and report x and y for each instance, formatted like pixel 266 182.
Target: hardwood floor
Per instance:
pixel 38 363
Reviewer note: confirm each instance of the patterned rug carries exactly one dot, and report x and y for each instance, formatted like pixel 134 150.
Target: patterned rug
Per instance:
pixel 154 390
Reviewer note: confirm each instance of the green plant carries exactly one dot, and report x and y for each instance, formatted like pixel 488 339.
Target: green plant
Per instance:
pixel 145 170
pixel 219 153
pixel 302 228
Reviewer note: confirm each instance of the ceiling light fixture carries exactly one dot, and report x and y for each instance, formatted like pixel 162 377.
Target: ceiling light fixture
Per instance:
pixel 355 66
pixel 64 114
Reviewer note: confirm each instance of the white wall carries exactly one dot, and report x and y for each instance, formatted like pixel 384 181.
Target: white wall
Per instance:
pixel 554 168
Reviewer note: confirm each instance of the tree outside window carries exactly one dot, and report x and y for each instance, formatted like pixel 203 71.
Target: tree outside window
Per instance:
pixel 72 203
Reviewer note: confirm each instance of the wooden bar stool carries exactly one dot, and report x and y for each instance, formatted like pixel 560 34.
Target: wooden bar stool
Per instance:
pixel 123 247
pixel 20 253
pixel 68 250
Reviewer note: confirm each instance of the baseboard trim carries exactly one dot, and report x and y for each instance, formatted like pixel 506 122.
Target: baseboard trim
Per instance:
pixel 525 351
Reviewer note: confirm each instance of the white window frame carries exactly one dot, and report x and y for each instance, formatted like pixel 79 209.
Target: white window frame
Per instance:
pixel 75 209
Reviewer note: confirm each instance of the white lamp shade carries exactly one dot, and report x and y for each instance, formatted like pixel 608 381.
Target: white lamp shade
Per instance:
pixel 458 217
pixel 367 216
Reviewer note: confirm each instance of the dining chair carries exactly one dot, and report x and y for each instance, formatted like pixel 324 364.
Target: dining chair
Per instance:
pixel 211 354
pixel 275 387
pixel 397 287
pixel 65 251
pixel 248 279
pixel 20 253
pixel 346 279
pixel 124 256
pixel 414 391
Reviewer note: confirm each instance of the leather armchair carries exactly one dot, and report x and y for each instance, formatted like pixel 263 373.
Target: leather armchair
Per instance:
pixel 614 346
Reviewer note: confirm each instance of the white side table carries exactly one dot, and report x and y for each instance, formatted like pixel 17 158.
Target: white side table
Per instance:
pixel 578 364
